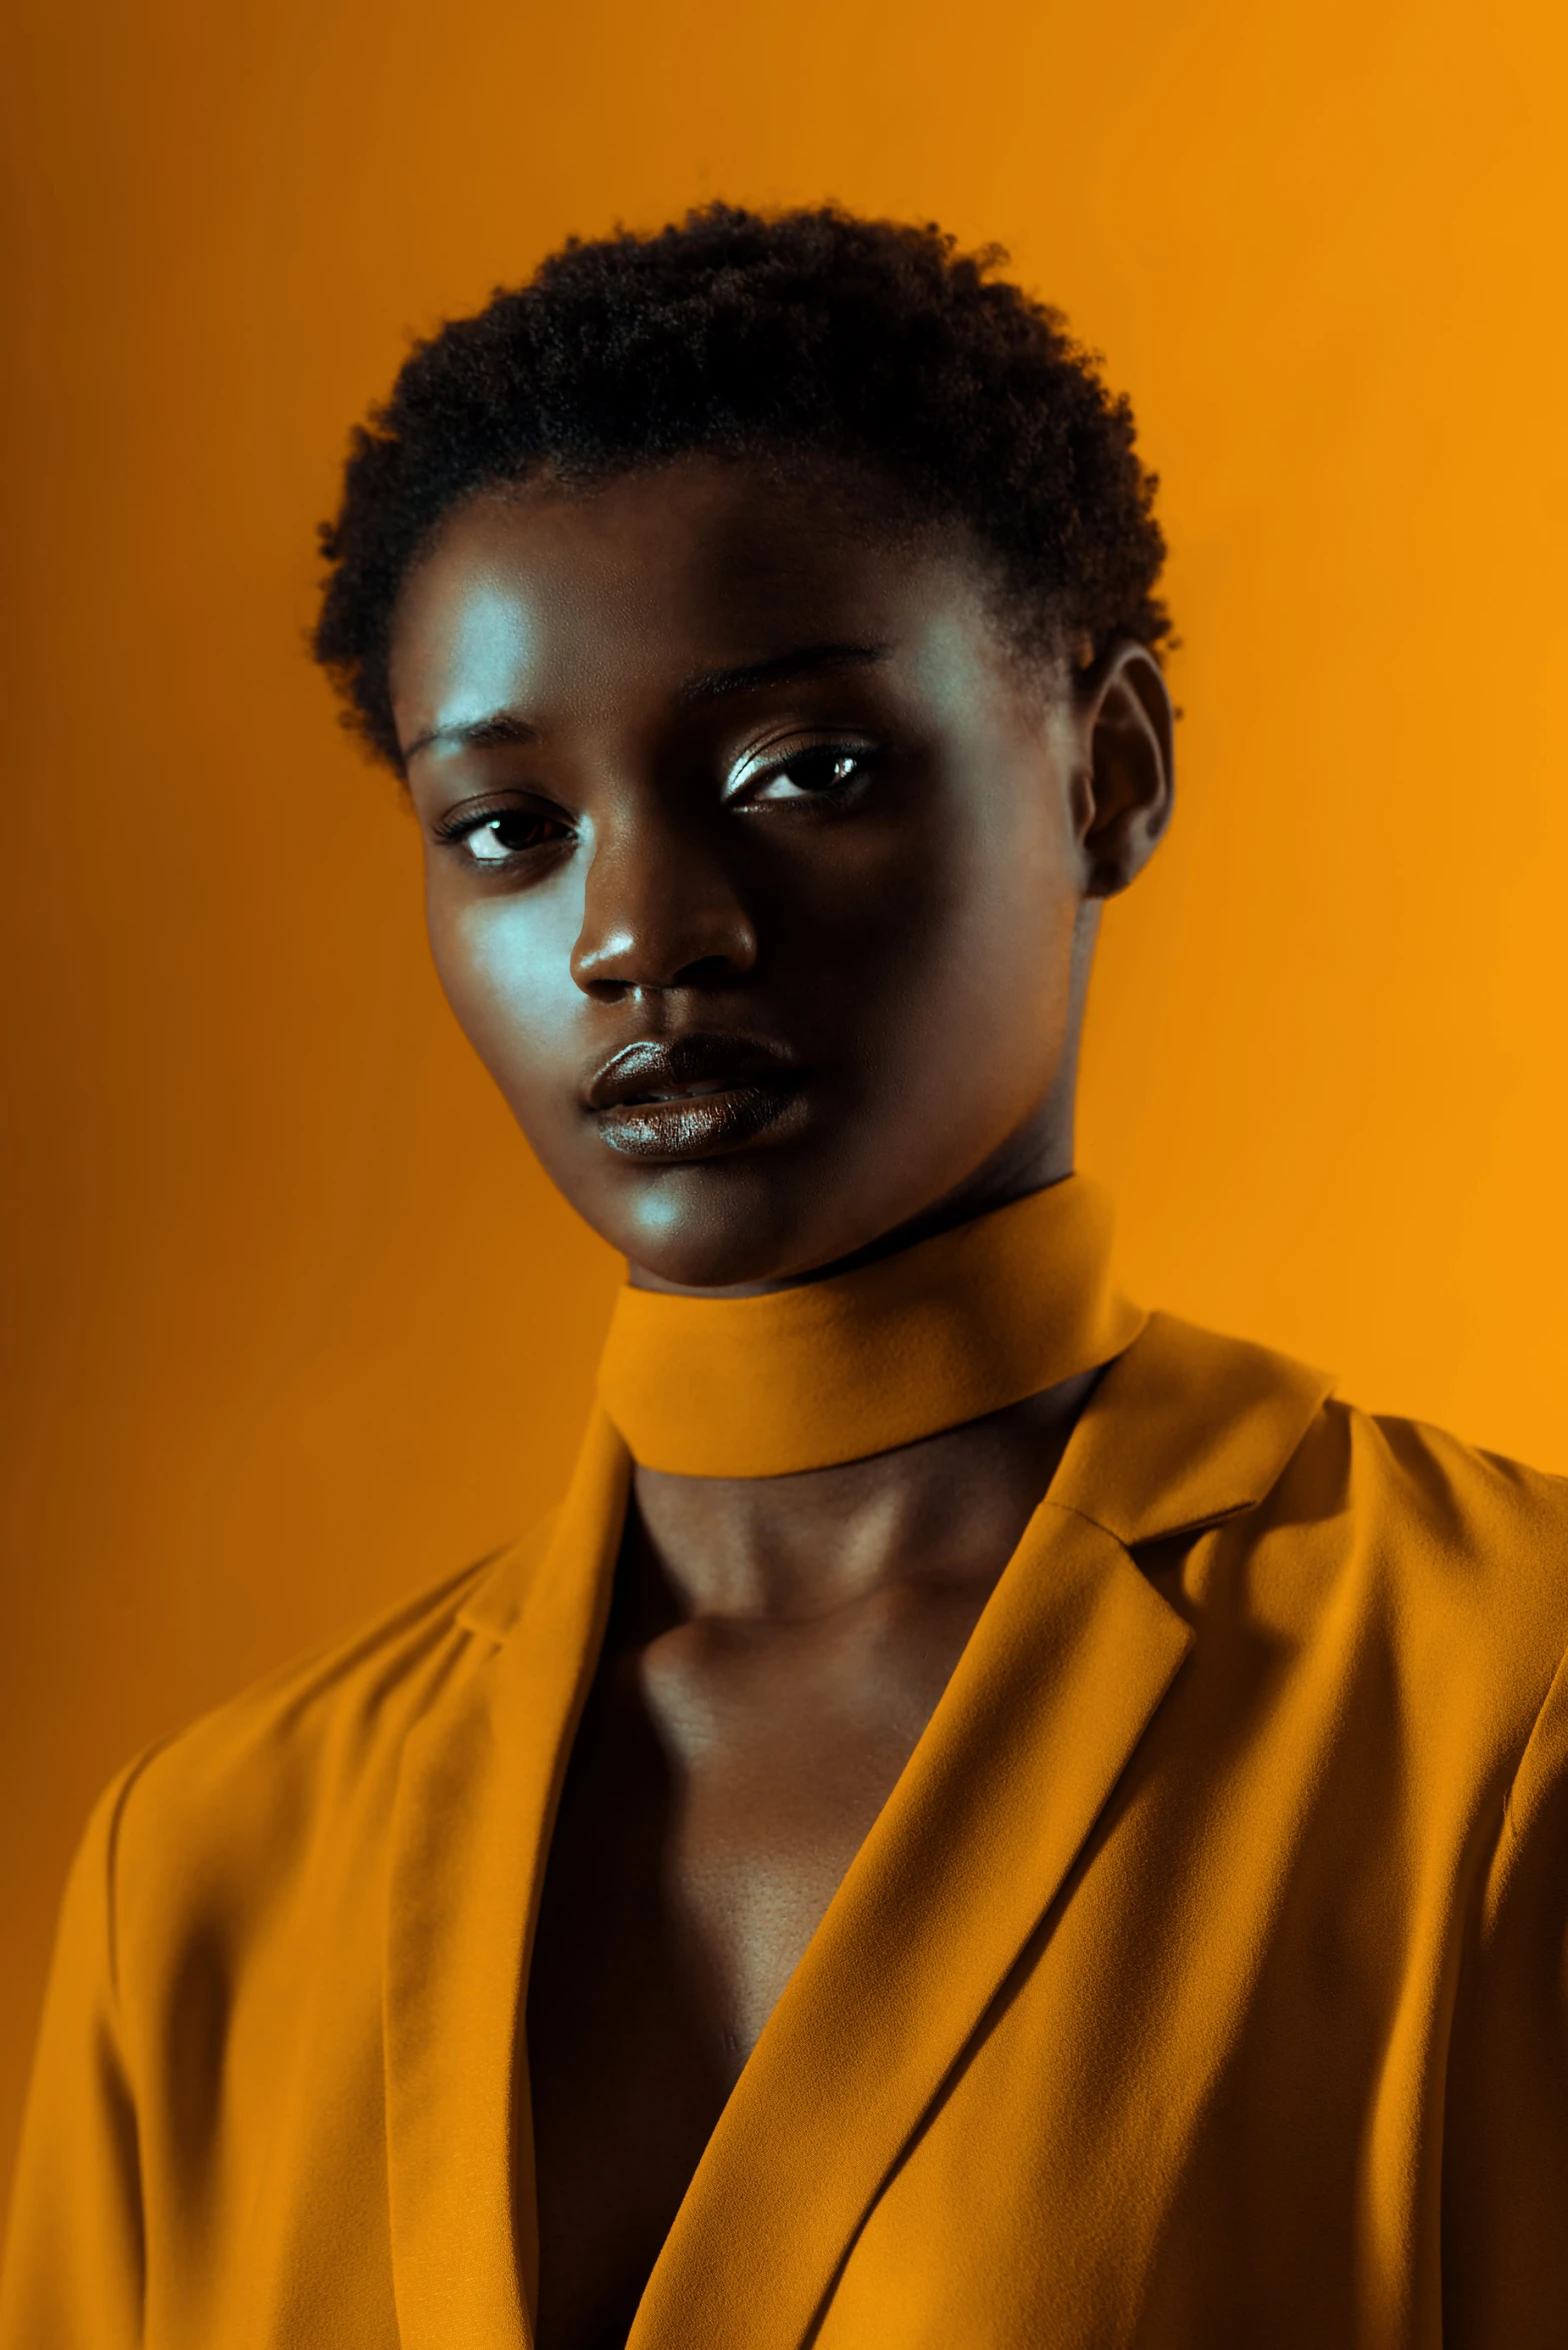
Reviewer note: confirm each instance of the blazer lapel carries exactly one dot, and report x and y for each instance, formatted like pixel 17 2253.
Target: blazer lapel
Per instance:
pixel 1070 1659
pixel 476 1803
pixel 1065 1670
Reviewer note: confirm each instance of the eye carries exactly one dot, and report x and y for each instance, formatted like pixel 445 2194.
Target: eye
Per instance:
pixel 817 771
pixel 500 836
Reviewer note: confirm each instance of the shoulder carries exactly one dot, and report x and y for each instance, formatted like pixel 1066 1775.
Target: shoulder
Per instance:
pixel 1235 1426
pixel 1408 1553
pixel 1330 1523
pixel 1451 1488
pixel 1400 1486
pixel 302 1762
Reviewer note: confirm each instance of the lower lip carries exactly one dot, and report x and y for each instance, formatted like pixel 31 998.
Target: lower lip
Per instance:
pixel 702 1125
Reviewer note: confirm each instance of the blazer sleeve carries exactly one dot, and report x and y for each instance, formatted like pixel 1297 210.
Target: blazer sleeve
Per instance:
pixel 73 2271
pixel 1505 2189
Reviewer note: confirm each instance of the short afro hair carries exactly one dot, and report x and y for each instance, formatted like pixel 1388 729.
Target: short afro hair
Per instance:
pixel 800 336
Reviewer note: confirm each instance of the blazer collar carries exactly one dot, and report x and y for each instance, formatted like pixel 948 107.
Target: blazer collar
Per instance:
pixel 1186 1428
pixel 1072 1656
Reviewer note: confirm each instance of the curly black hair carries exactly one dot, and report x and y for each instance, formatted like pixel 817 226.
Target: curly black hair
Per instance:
pixel 807 335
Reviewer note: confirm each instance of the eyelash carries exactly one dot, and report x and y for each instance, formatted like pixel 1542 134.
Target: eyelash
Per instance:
pixel 861 756
pixel 453 830
pixel 464 823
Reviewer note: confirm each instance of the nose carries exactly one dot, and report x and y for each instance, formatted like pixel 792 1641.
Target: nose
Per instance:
pixel 660 910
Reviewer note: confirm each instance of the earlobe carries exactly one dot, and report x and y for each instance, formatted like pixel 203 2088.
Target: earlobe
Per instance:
pixel 1129 724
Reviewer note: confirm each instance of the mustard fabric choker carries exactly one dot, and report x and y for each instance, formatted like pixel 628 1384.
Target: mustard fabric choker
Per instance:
pixel 835 1370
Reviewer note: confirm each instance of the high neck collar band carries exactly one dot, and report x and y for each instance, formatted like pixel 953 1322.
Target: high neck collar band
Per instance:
pixel 959 1325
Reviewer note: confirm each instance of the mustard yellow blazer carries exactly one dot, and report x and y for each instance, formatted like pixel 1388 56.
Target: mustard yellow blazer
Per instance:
pixel 1203 1983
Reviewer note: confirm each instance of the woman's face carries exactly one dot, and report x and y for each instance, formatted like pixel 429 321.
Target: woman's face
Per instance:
pixel 757 867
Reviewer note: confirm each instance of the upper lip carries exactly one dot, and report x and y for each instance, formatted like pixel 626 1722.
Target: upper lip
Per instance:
pixel 677 1068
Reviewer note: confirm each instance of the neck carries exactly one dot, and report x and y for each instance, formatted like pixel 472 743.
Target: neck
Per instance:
pixel 951 1508
pixel 1037 1154
pixel 897 1425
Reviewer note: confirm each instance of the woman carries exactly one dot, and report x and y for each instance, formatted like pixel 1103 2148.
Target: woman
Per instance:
pixel 987 1817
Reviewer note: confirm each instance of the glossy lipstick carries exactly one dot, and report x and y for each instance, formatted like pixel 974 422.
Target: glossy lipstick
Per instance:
pixel 693 1097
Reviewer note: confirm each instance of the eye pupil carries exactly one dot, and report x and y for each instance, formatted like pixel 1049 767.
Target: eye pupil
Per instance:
pixel 821 770
pixel 508 833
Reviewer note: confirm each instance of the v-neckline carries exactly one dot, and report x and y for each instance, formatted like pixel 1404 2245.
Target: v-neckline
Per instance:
pixel 1068 1662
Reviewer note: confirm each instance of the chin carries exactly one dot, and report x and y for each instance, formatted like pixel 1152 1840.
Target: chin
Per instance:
pixel 728 1224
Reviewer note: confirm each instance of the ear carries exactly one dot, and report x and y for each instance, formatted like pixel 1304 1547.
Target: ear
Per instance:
pixel 1123 788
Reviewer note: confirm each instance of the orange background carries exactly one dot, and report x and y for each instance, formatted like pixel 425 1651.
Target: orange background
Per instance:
pixel 295 1325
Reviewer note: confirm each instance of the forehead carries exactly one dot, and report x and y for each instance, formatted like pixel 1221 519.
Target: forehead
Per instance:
pixel 547 595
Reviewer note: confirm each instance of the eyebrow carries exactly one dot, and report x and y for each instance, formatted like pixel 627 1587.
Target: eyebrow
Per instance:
pixel 478 734
pixel 709 685
pixel 714 684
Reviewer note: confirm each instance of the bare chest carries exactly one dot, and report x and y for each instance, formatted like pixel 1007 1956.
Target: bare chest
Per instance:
pixel 723 1780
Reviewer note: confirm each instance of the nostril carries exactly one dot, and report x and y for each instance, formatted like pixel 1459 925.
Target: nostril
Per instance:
pixel 707 971
pixel 660 910
pixel 707 950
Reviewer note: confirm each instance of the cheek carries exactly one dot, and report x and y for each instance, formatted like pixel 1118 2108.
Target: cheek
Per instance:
pixel 977 939
pixel 505 966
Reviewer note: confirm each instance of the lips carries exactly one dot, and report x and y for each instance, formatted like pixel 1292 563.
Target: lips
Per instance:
pixel 694 1097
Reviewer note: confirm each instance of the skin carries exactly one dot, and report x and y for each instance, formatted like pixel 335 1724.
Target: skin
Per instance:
pixel 763 875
